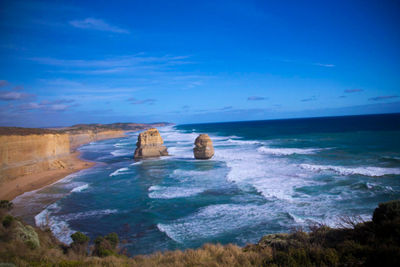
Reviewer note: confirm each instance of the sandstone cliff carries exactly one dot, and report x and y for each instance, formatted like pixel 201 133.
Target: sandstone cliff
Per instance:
pixel 33 157
pixel 150 144
pixel 22 155
pixel 33 153
pixel 203 147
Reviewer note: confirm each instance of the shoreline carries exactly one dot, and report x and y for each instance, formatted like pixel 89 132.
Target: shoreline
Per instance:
pixel 27 183
pixel 66 165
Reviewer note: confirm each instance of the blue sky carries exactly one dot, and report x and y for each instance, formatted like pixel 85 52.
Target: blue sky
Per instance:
pixel 68 62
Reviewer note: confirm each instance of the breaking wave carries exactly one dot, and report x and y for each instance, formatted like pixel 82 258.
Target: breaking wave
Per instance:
pixel 119 172
pixel 366 171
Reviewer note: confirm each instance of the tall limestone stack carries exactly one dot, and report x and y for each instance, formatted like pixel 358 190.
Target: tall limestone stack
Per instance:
pixel 150 144
pixel 203 147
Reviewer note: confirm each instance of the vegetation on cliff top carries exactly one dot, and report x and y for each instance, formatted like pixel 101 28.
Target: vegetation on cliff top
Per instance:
pixel 373 243
pixel 80 127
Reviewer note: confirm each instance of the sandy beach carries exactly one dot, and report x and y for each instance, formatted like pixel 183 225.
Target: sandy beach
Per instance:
pixel 11 189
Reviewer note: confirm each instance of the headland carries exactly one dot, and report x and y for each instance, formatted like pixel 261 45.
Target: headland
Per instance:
pixel 32 158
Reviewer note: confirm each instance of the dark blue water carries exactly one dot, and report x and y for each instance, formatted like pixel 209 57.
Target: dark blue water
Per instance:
pixel 265 177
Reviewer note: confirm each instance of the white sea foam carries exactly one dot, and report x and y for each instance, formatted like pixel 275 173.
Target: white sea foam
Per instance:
pixel 59 228
pixel 214 220
pixel 180 151
pixel 119 172
pixel 243 142
pixel 122 144
pixel 80 188
pixel 366 171
pixel 287 151
pixel 164 192
pixel 272 177
pixel 58 224
pixel 187 183
pixel 120 152
pixel 296 218
pixel 373 186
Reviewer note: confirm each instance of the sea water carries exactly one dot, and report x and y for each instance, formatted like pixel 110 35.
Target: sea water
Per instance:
pixel 265 177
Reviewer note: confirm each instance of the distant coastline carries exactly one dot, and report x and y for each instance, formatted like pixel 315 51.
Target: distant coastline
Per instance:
pixel 32 158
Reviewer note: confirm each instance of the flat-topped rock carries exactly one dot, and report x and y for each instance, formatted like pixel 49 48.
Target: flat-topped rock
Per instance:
pixel 203 147
pixel 149 145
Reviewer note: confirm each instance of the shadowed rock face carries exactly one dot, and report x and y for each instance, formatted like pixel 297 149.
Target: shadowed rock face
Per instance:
pixel 203 147
pixel 149 145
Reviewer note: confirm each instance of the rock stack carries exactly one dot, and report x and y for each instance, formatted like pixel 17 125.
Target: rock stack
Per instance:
pixel 203 147
pixel 150 144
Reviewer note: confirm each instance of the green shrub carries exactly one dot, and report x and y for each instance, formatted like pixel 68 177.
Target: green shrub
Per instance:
pixel 7 220
pixel 106 246
pixel 103 247
pixel 80 243
pixel 113 239
pixel 80 238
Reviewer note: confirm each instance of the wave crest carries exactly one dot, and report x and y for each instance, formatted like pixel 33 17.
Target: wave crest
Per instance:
pixel 366 171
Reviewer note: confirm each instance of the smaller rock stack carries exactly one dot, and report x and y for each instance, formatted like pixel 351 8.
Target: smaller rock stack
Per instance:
pixel 149 145
pixel 203 147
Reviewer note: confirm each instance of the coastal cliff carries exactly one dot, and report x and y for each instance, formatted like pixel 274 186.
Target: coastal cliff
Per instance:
pixel 27 154
pixel 32 158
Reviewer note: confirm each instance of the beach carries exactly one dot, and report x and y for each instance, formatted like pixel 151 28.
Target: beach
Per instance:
pixel 26 183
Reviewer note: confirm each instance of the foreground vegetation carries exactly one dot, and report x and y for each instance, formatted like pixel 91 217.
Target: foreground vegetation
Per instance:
pixel 373 243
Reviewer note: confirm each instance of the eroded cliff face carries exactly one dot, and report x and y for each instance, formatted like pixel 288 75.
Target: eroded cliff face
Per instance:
pixel 27 154
pixel 203 147
pixel 35 153
pixel 83 137
pixel 150 144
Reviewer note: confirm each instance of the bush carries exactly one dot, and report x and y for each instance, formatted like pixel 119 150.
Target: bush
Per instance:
pixel 103 247
pixel 79 238
pixel 7 220
pixel 387 212
pixel 80 243
pixel 113 239
pixel 27 235
pixel 5 204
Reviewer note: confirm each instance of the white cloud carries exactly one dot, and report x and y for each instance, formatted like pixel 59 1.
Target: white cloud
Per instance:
pixel 12 95
pixel 97 24
pixel 324 65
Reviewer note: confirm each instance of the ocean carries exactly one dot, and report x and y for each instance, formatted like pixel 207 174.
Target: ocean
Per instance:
pixel 265 177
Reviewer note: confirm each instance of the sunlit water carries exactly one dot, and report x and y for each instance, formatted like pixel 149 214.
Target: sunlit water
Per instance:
pixel 265 177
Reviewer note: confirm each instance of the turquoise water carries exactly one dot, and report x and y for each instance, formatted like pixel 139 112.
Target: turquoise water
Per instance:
pixel 265 177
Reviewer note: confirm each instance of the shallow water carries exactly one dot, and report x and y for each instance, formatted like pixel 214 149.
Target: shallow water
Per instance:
pixel 265 177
